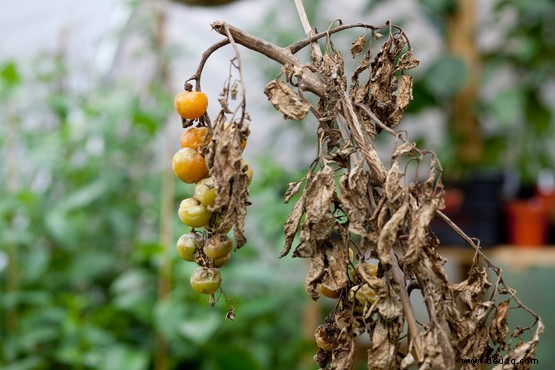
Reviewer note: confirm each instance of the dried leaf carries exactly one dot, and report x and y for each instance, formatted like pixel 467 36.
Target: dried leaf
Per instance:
pixel 319 221
pixel 499 328
pixel 404 97
pixel 291 225
pixel 383 353
pixel 354 197
pixel 315 273
pixel 224 159
pixel 343 356
pixel 406 61
pixel 389 234
pixel 286 100
pixel 357 45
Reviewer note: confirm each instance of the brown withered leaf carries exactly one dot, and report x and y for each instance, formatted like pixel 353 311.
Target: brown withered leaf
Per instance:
pixel 470 290
pixel 224 160
pixel 499 328
pixel 292 189
pixel 343 356
pixel 406 61
pixel 525 352
pixel 286 100
pixel 389 234
pixel 292 224
pixel 384 83
pixel 357 46
pixel 419 231
pixel 393 189
pixel 436 350
pixel 383 353
pixel 354 197
pixel 316 271
pixel 336 272
pixel 319 221
pixel 404 97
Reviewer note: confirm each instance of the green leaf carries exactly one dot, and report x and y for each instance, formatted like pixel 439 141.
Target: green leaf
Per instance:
pixel 28 363
pixel 123 357
pixel 9 74
pixel 446 77
pixel 508 107
pixel 232 357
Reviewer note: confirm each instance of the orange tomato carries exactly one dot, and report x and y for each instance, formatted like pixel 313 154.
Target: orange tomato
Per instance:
pixel 194 138
pixel 190 104
pixel 189 165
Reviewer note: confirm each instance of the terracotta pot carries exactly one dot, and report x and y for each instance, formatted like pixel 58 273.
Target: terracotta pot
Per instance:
pixel 527 222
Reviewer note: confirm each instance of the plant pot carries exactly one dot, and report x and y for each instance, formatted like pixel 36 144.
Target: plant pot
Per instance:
pixel 527 222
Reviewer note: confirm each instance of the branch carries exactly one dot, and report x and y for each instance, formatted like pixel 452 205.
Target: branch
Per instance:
pixel 283 56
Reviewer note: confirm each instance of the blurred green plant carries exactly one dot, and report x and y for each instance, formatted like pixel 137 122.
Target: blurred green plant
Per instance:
pixel 520 127
pixel 79 251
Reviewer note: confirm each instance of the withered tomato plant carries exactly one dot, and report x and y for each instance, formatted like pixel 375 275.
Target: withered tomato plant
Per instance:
pixel 364 225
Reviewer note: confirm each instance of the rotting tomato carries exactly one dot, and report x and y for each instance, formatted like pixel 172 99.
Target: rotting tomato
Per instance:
pixel 329 292
pixel 192 213
pixel 205 192
pixel 206 280
pixel 190 104
pixel 218 246
pixel 189 165
pixel 187 244
pixel 194 138
pixel 219 262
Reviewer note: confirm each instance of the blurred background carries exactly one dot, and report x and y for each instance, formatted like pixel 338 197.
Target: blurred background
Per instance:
pixel 89 274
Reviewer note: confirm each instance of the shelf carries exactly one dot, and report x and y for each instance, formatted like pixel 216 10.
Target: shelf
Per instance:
pixel 517 257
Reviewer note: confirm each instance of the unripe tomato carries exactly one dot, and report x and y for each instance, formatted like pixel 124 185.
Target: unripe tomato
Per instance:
pixel 193 214
pixel 187 244
pixel 218 246
pixel 189 165
pixel 206 280
pixel 194 138
pixel 246 168
pixel 205 192
pixel 190 104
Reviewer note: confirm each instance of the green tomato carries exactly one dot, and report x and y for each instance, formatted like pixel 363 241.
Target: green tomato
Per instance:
pixel 194 214
pixel 205 192
pixel 206 280
pixel 218 246
pixel 187 244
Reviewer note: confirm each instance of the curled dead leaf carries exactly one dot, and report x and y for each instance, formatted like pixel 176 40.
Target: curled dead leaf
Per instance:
pixel 286 100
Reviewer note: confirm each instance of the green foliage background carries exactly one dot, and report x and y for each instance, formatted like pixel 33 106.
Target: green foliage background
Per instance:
pixel 80 254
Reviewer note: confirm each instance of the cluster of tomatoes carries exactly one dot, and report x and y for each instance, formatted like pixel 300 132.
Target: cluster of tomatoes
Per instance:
pixel 360 296
pixel 210 250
